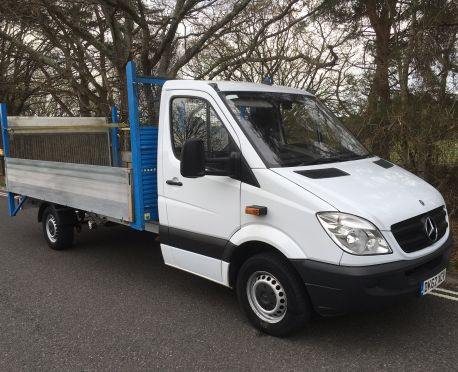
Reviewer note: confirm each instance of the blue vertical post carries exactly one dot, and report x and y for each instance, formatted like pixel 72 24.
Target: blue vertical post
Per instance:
pixel 115 149
pixel 139 221
pixel 6 152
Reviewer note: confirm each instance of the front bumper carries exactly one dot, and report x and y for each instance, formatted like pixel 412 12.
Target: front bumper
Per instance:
pixel 335 289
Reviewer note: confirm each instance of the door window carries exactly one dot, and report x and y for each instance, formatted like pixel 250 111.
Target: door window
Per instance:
pixel 193 117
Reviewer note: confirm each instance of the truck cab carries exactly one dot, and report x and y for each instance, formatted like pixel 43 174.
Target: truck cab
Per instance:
pixel 261 187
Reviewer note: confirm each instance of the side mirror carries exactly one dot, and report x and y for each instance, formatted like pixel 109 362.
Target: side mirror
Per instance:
pixel 193 159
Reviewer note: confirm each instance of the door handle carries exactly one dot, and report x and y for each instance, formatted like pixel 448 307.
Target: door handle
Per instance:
pixel 174 182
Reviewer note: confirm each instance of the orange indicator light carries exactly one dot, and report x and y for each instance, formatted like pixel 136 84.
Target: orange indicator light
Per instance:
pixel 256 210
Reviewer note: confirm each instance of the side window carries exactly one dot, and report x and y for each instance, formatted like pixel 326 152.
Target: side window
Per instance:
pixel 195 118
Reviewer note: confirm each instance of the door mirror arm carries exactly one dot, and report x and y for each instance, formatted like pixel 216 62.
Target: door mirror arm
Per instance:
pixel 235 159
pixel 230 165
pixel 194 164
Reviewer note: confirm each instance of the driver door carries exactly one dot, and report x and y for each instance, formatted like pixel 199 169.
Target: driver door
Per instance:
pixel 202 213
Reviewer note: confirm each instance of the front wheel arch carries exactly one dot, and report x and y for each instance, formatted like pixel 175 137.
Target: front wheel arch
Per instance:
pixel 245 251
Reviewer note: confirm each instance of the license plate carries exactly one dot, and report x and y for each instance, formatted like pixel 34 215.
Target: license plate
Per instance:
pixel 429 284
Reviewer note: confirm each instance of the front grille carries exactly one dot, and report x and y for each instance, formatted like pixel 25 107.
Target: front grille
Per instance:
pixel 411 234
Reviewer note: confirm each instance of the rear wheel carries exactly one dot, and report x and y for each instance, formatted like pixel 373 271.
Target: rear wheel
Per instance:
pixel 57 235
pixel 272 295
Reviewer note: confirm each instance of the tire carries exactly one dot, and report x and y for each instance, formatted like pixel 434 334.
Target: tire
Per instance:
pixel 272 295
pixel 57 235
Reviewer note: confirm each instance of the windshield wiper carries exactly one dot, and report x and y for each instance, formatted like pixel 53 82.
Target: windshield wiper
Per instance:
pixel 324 161
pixel 335 159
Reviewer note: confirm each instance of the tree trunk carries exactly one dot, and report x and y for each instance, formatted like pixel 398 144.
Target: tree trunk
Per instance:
pixel 381 14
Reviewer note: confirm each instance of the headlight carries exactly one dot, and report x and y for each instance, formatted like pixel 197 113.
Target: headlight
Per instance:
pixel 353 234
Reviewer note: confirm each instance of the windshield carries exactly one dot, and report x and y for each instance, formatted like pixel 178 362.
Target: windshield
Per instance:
pixel 291 130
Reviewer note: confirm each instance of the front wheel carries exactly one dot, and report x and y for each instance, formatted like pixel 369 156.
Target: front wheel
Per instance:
pixel 58 236
pixel 272 295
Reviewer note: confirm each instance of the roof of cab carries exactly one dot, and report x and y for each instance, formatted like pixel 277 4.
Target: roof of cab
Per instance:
pixel 231 86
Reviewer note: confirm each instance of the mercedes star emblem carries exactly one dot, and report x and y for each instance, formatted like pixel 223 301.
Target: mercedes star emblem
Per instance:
pixel 431 229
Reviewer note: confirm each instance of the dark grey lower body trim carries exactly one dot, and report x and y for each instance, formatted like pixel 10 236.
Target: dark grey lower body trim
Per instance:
pixel 197 243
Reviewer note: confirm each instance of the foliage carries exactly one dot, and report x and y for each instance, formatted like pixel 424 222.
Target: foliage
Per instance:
pixel 389 68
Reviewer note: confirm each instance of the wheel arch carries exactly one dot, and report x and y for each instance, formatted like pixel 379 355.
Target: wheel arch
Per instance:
pixel 239 254
pixel 255 238
pixel 41 210
pixel 65 215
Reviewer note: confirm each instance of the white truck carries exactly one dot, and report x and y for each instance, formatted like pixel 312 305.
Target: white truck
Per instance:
pixel 259 188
